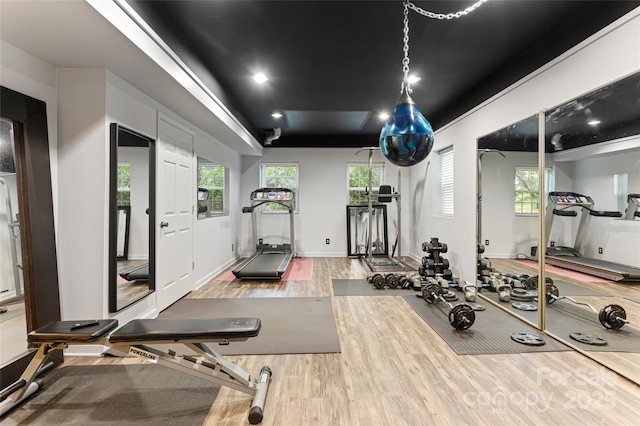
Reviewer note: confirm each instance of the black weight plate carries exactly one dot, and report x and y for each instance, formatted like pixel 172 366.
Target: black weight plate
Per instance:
pixel 589 339
pixel 462 317
pixel 551 289
pixel 612 316
pixel 524 306
pixel 529 339
pixel 378 282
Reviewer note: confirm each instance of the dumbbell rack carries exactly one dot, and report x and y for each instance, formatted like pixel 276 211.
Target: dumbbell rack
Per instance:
pixel 433 264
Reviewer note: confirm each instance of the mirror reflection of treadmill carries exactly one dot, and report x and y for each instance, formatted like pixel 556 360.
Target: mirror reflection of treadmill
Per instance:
pixel 567 204
pixel 269 261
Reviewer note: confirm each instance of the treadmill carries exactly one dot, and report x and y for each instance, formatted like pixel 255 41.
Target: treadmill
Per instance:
pixel 565 204
pixel 269 261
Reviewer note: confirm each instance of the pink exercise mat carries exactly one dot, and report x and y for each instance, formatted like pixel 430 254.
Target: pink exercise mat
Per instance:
pixel 300 269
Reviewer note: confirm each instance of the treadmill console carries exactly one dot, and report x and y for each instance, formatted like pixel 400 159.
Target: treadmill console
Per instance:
pixel 570 199
pixel 272 194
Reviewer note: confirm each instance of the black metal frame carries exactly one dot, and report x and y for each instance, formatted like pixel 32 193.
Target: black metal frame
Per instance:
pixel 115 130
pixel 352 251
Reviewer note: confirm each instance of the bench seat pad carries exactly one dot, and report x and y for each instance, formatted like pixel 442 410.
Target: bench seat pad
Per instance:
pixel 169 330
pixel 60 331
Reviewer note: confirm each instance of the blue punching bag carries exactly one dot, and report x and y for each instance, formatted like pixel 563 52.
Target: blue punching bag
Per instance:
pixel 407 137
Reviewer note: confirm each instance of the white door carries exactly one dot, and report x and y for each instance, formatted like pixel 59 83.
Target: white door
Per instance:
pixel 174 238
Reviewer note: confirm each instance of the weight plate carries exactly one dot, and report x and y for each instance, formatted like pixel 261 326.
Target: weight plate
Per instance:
pixel 450 296
pixel 476 306
pixel 589 339
pixel 551 290
pixel 430 292
pixel 529 339
pixel 462 317
pixel 532 282
pixel 526 297
pixel 524 306
pixel 612 317
pixel 518 291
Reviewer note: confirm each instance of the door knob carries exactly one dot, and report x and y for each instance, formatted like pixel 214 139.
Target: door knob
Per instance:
pixel 164 224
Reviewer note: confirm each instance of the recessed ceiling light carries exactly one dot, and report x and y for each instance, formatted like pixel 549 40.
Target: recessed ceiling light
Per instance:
pixel 414 79
pixel 594 122
pixel 276 115
pixel 383 116
pixel 260 78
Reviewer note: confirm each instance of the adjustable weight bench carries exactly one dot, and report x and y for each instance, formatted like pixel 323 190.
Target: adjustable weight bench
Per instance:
pixel 133 338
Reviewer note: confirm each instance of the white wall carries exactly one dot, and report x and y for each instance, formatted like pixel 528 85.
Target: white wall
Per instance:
pixel 214 236
pixel 82 202
pixel 606 56
pixel 322 200
pixel 27 74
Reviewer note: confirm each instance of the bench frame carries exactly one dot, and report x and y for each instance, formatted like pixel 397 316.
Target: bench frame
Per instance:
pixel 208 364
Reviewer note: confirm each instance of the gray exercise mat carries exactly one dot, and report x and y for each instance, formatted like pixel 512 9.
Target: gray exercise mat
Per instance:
pixel 290 325
pixel 6 316
pixel 137 394
pixel 365 288
pixel 569 289
pixel 564 318
pixel 490 334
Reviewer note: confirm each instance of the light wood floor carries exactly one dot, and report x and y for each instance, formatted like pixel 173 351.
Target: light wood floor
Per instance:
pixel 395 370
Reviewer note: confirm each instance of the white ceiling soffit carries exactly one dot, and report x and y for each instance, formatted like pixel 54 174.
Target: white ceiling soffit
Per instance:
pixel 101 34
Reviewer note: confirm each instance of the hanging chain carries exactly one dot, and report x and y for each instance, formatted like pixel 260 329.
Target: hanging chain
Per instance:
pixel 456 15
pixel 405 48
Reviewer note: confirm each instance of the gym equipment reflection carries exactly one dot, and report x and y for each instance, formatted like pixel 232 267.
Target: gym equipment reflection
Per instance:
pixel 131 241
pixel 358 218
pixel 13 325
pixel 579 158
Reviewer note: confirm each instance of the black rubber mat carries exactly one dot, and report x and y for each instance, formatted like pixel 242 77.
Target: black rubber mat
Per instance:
pixel 139 394
pixel 569 289
pixel 365 288
pixel 290 325
pixel 564 318
pixel 490 334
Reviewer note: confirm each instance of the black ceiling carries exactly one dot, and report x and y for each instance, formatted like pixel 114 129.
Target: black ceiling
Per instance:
pixel 334 65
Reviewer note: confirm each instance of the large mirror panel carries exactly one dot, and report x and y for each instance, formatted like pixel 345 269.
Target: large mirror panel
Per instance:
pixel 131 247
pixel 13 322
pixel 593 248
pixel 509 184
pixel 591 229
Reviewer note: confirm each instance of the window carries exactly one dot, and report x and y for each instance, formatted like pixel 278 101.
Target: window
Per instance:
pixel 527 185
pixel 620 192
pixel 446 181
pixel 274 175
pixel 124 185
pixel 212 194
pixel 358 182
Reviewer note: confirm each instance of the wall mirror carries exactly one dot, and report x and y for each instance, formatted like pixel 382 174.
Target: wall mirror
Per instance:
pixel 508 208
pixel 29 296
pixel 593 142
pixel 592 164
pixel 13 321
pixel 132 199
pixel 213 197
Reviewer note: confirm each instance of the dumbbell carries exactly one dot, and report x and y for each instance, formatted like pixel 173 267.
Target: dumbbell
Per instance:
pixel 611 316
pixel 431 263
pixel 392 280
pixel 378 281
pixel 531 283
pixel 461 316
